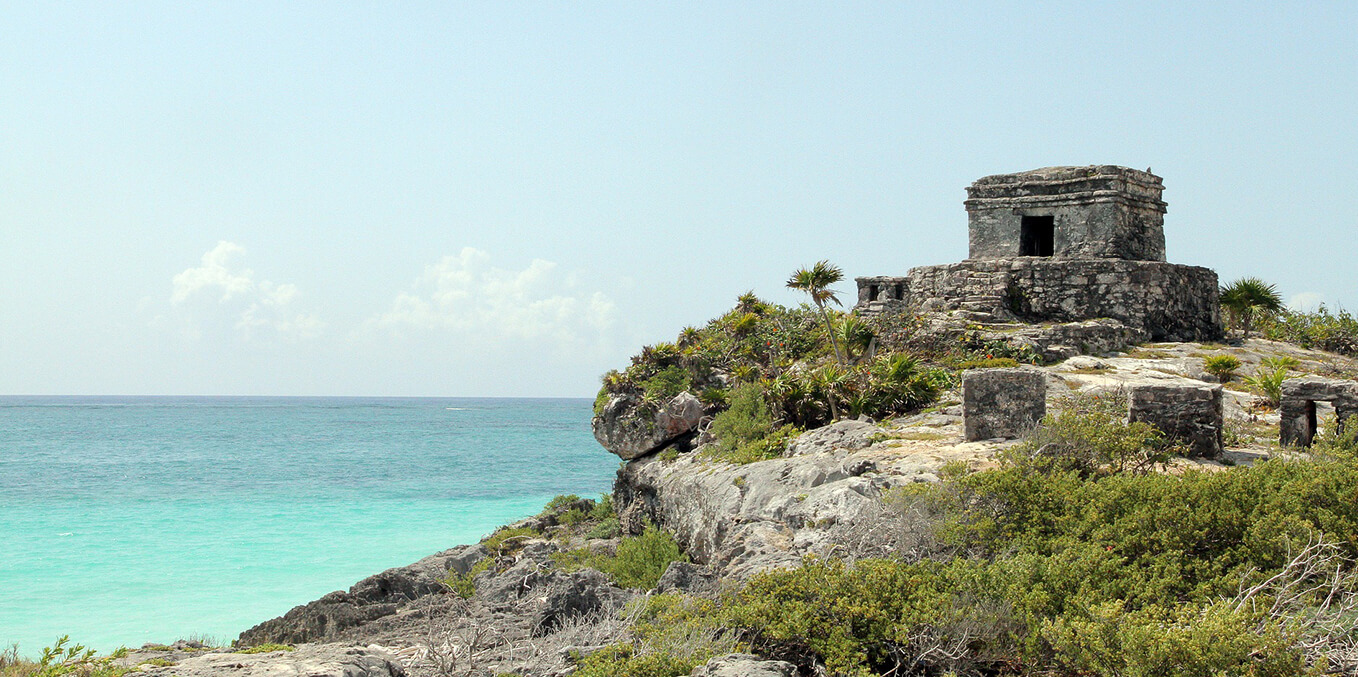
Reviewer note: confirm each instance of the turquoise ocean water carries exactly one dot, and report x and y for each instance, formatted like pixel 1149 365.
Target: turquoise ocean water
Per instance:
pixel 126 520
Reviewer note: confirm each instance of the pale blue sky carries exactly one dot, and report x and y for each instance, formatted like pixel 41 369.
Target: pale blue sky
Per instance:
pixel 510 198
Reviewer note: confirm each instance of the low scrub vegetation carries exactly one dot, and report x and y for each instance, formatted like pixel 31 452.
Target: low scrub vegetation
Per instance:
pixel 638 562
pixel 61 658
pixel 1322 328
pixel 1222 366
pixel 1077 560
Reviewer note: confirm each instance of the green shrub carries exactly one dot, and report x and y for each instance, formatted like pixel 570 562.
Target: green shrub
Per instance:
pixel 669 382
pixel 1090 435
pixel 639 562
pixel 62 658
pixel 266 648
pixel 746 433
pixel 464 585
pixel 1221 366
pixel 988 363
pixel 507 542
pixel 1191 641
pixel 158 662
pixel 609 527
pixel 557 503
pixel 622 660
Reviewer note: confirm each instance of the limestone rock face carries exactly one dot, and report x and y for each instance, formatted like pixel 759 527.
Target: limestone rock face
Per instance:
pixel 744 665
pixel 738 520
pixel 629 429
pixel 850 435
pixel 321 660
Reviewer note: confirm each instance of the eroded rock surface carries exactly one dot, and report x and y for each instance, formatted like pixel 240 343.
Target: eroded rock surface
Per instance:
pixel 630 429
pixel 319 660
pixel 744 665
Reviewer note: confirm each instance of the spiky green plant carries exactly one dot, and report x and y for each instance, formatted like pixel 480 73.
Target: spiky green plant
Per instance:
pixel 816 281
pixel 1248 298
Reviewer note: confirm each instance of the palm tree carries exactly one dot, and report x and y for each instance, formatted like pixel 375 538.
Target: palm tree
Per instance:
pixel 816 282
pixel 1247 296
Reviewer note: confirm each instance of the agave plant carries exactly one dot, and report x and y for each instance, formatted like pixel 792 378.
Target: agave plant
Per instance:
pixel 1247 297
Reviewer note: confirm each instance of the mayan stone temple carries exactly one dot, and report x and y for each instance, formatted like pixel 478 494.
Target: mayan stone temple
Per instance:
pixel 1062 245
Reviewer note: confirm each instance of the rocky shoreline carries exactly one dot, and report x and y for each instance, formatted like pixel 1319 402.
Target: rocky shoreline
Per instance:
pixel 529 615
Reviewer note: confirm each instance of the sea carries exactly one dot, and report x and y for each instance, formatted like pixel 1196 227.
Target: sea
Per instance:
pixel 127 520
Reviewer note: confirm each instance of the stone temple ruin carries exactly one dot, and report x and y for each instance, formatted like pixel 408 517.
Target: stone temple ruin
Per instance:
pixel 1061 245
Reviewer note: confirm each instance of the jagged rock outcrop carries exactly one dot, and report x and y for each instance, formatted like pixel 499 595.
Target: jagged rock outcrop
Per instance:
pixel 629 428
pixel 575 594
pixel 317 660
pixel 369 599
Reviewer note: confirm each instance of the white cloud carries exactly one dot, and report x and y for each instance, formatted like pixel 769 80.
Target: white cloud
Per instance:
pixel 1307 300
pixel 258 307
pixel 467 295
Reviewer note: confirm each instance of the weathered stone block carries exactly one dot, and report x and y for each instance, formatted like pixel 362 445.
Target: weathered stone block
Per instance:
pixel 1188 413
pixel 1002 402
pixel 1297 409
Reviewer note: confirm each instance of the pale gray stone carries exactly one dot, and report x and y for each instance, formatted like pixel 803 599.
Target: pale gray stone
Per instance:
pixel 629 429
pixel 744 665
pixel 320 660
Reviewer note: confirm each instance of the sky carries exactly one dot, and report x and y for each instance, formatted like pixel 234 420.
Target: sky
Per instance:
pixel 508 199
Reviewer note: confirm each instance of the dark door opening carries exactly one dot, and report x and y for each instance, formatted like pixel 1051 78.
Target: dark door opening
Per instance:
pixel 872 292
pixel 1038 236
pixel 1312 424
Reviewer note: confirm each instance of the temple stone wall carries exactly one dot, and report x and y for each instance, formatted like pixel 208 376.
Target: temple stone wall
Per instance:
pixel 1169 302
pixel 1099 211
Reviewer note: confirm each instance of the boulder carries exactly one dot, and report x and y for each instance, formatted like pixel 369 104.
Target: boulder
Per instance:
pixel 1002 403
pixel 317 660
pixel 575 594
pixel 687 577
pixel 630 429
pixel 744 665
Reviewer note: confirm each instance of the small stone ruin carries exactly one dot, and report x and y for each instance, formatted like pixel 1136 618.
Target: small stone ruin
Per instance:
pixel 1192 414
pixel 1298 425
pixel 1062 244
pixel 1002 403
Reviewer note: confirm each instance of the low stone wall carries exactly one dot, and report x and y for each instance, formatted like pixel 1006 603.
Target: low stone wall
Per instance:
pixel 1169 302
pixel 1002 403
pixel 1187 413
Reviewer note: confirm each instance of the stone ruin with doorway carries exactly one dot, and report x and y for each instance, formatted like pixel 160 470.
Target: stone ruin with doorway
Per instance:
pixel 1059 247
pixel 1298 408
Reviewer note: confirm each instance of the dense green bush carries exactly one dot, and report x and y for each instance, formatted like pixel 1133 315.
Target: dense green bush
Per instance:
pixel 638 563
pixel 746 431
pixel 1090 435
pixel 787 352
pixel 1066 572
